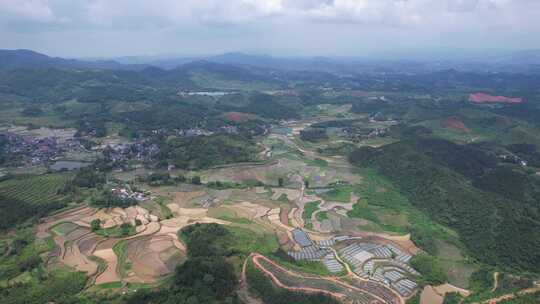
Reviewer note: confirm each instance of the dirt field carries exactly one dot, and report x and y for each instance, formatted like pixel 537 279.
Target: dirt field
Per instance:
pixel 150 258
pixel 435 295
pixel 105 252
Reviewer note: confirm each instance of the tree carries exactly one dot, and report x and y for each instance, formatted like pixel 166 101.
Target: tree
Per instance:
pixel 306 183
pixel 95 224
pixel 452 298
pixel 196 180
pixel 125 227
pixel 280 181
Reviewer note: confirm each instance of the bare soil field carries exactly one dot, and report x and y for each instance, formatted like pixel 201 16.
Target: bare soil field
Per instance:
pixel 149 257
pixel 431 296
pixel 105 252
pixel 435 294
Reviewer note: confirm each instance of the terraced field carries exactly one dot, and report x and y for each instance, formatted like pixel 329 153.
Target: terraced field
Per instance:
pixel 311 284
pixel 36 189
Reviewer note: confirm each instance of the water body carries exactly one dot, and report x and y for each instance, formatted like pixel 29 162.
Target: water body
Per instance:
pixel 212 94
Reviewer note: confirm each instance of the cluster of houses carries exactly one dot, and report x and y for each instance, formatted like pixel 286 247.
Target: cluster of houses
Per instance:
pixel 203 132
pixel 141 150
pixel 39 151
pixel 202 93
pixel 356 135
pixel 126 193
pixel 513 159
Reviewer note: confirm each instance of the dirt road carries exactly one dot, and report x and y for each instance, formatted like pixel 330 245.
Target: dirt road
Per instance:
pixel 510 296
pixel 256 258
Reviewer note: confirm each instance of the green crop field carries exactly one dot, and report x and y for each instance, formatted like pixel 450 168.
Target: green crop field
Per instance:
pixel 123 263
pixel 338 194
pixel 36 189
pixel 309 209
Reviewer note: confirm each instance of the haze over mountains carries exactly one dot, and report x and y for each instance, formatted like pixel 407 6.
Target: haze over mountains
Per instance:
pixel 506 61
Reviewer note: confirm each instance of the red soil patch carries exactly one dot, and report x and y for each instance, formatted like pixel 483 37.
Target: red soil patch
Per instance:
pixel 454 123
pixel 237 116
pixel 486 98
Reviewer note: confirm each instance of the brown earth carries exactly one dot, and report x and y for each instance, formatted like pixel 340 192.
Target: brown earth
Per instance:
pixel 145 255
pixel 105 252
pixel 454 123
pixel 238 116
pixel 182 198
pixel 486 98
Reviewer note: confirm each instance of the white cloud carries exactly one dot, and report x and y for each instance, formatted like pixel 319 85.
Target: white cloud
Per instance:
pixel 164 13
pixel 273 24
pixel 26 11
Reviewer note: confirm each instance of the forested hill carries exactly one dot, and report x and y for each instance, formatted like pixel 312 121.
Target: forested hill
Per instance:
pixel 459 186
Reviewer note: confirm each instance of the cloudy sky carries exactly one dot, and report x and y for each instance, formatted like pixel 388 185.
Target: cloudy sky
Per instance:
pixel 94 28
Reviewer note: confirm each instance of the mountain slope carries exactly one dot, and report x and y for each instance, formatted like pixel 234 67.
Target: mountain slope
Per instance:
pixel 453 185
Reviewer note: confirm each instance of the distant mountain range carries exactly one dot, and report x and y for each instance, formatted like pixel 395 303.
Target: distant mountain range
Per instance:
pixel 27 59
pixel 514 61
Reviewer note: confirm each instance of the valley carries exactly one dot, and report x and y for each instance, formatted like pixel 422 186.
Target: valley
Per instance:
pixel 247 186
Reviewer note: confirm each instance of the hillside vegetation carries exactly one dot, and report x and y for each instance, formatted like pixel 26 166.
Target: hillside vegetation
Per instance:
pixel 459 186
pixel 22 198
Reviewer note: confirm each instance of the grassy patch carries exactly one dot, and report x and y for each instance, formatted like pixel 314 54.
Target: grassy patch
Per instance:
pixel 228 215
pixel 321 216
pixel 309 209
pixel 64 228
pixel 158 207
pixel 338 194
pixel 120 251
pixel 246 241
pixel 361 210
pixel 317 162
pixel 116 231
pixel 380 219
pixel 312 267
pixel 430 269
pixel 110 285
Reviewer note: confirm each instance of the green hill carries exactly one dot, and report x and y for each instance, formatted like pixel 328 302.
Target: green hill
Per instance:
pixel 454 185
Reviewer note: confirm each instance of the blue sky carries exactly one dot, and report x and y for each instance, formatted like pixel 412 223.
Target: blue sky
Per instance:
pixel 94 28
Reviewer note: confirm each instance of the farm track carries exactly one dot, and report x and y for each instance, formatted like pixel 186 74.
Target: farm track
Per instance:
pixel 246 164
pixel 510 295
pixel 495 281
pixel 256 257
pixel 362 292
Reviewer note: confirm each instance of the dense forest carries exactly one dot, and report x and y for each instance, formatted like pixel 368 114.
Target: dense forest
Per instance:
pixel 203 152
pixel 460 186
